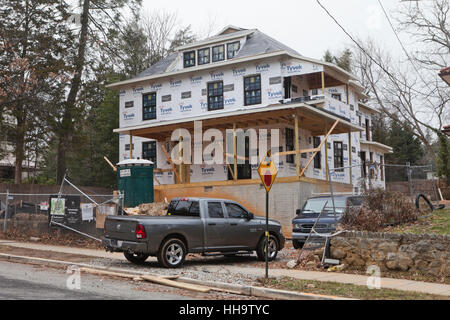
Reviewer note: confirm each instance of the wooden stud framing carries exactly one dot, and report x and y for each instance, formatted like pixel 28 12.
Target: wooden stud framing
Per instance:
pixel 131 145
pixel 326 153
pixel 235 176
pixel 320 147
pixel 323 82
pixel 350 156
pixel 170 161
pixel 297 146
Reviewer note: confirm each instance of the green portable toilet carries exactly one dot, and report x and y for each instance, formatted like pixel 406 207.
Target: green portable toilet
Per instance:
pixel 135 180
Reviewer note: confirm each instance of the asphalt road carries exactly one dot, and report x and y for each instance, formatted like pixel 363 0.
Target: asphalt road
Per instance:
pixel 25 282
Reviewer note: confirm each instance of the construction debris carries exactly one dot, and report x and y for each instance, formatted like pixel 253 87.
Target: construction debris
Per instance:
pixel 157 209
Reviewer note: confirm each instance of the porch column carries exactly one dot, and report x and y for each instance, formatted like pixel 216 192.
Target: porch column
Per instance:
pixel 180 154
pixel 235 152
pixel 350 156
pixel 297 146
pixel 323 82
pixel 326 151
pixel 346 91
pixel 131 145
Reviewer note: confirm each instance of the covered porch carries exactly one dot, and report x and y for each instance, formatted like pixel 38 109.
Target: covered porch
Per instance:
pixel 299 116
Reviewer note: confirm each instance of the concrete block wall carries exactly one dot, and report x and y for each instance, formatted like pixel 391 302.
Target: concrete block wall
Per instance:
pixel 284 198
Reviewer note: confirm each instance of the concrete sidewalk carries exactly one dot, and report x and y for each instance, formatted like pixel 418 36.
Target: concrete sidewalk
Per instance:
pixel 388 283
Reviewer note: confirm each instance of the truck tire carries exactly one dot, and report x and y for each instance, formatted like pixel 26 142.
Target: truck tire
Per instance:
pixel 172 253
pixel 273 248
pixel 136 258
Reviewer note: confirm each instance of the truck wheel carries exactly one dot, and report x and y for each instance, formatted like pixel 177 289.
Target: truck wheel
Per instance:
pixel 273 248
pixel 172 253
pixel 136 258
pixel 298 244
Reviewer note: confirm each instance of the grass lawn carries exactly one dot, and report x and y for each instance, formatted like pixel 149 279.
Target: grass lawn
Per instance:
pixel 346 290
pixel 437 223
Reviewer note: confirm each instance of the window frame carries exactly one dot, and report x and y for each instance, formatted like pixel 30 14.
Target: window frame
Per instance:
pixel 150 158
pixel 208 95
pixel 290 147
pixel 235 51
pixel 253 90
pixel 212 53
pixel 338 163
pixel 198 56
pixel 318 158
pixel 144 118
pixel 192 60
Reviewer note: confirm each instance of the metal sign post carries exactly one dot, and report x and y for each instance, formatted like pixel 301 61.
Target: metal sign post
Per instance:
pixel 267 172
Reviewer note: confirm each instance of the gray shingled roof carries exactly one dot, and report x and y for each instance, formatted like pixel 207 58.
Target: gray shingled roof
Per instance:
pixel 257 43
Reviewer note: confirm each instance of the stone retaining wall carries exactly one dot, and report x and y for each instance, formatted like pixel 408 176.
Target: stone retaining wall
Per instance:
pixel 398 252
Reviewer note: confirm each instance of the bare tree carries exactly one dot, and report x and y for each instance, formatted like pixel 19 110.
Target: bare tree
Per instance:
pixel 429 23
pixel 401 94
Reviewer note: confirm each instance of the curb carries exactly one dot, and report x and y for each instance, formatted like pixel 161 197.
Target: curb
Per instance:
pixel 242 289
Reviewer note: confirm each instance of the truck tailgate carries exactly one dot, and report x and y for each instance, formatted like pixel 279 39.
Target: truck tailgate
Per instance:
pixel 121 228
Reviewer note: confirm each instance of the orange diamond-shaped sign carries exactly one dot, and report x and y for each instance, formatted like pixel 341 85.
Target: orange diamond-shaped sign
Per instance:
pixel 267 171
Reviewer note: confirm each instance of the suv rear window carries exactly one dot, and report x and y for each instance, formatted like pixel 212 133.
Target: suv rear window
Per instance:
pixel 184 208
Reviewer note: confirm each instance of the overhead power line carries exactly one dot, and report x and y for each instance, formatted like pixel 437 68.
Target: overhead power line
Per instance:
pixel 393 77
pixel 403 47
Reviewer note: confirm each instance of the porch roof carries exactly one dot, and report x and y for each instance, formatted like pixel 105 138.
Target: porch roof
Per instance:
pixel 377 145
pixel 311 118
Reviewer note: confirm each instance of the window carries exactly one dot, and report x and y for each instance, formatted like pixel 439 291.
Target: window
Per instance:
pixel 371 166
pixel 215 95
pixel 232 49
pixel 252 90
pixel 184 208
pixel 235 211
pixel 149 106
pixel 149 152
pixel 218 53
pixel 290 144
pixel 360 123
pixel 338 155
pixel 336 96
pixel 215 210
pixel 367 130
pixel 127 147
pixel 314 92
pixel 362 155
pixel 189 59
pixel 318 158
pixel 204 56
pixel 129 104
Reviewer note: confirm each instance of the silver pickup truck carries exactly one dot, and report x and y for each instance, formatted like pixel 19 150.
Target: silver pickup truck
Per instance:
pixel 192 225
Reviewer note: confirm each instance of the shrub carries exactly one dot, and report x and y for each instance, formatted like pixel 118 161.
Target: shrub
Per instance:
pixel 380 208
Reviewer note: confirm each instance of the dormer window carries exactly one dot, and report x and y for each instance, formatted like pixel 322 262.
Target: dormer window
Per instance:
pixel 218 53
pixel 189 59
pixel 204 56
pixel 232 49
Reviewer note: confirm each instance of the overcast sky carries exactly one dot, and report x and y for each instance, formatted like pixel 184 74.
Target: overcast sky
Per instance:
pixel 300 24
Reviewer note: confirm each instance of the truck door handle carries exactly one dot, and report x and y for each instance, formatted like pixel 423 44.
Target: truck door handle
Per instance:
pixel 234 224
pixel 211 224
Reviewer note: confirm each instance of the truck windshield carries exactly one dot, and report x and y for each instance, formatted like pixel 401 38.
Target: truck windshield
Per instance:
pixel 184 208
pixel 316 205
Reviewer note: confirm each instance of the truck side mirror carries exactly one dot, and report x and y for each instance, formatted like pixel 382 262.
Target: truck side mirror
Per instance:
pixel 298 212
pixel 250 216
